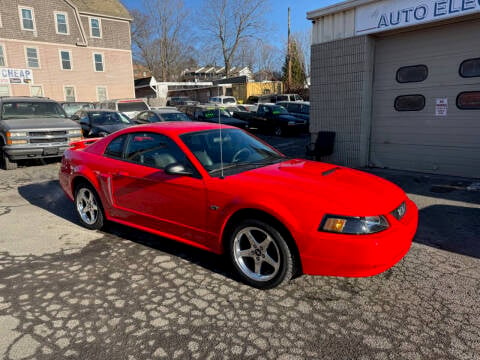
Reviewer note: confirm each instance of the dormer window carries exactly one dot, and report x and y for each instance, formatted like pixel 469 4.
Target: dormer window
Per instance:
pixel 95 28
pixel 27 18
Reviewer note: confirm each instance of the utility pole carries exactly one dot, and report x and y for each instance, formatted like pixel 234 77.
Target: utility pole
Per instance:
pixel 289 57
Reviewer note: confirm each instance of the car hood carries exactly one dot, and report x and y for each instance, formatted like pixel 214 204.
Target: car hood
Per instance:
pixel 110 128
pixel 39 123
pixel 286 117
pixel 315 185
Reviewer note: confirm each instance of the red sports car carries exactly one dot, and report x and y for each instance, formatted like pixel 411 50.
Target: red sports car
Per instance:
pixel 223 190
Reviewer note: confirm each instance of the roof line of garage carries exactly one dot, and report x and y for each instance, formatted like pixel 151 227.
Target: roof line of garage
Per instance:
pixel 343 6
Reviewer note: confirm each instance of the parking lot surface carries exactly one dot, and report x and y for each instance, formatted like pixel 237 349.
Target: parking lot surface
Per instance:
pixel 66 292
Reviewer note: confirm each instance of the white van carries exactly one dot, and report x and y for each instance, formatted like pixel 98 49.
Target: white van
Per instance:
pixel 223 100
pixel 129 107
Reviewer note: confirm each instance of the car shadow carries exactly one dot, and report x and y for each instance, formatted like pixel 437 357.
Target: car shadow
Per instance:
pixel 451 228
pixel 49 196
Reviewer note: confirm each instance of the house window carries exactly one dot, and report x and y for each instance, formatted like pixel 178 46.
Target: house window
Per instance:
pixel 3 61
pixel 69 93
pixel 101 93
pixel 27 19
pixel 408 74
pixel 95 30
pixel 4 90
pixel 65 59
pixel 36 90
pixel 470 68
pixel 410 102
pixel 32 57
pixel 469 100
pixel 98 62
pixel 61 22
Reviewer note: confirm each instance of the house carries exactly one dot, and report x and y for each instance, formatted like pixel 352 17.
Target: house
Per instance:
pixel 68 50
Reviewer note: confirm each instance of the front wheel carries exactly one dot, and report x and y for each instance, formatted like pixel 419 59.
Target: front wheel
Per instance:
pixel 88 206
pixel 7 163
pixel 260 254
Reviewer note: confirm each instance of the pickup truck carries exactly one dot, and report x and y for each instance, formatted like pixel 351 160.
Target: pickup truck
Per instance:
pixel 32 128
pixel 272 118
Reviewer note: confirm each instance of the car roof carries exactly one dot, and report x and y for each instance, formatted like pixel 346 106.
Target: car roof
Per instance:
pixel 98 110
pixel 176 127
pixel 165 111
pixel 26 98
pixel 294 102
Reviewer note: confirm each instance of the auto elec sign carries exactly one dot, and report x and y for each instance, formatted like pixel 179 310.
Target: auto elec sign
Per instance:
pixel 16 76
pixel 391 14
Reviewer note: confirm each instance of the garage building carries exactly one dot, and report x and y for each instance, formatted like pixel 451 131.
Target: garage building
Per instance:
pixel 399 84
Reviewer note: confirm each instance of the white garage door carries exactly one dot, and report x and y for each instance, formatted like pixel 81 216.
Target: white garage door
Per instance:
pixel 417 124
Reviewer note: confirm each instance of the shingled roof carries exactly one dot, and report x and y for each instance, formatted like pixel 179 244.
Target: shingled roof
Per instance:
pixel 103 7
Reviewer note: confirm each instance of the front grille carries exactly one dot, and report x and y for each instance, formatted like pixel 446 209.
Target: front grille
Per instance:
pixel 399 212
pixel 47 141
pixel 48 133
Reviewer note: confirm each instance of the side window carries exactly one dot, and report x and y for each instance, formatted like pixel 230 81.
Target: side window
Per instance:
pixel 115 148
pixel 470 68
pixel 408 74
pixel 410 102
pixel 469 100
pixel 153 150
pixel 152 117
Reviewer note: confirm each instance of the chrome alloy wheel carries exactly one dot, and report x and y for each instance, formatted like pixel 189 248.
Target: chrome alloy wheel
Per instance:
pixel 256 254
pixel 87 206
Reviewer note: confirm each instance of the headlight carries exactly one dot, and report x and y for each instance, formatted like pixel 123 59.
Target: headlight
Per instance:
pixel 11 134
pixel 354 225
pixel 75 132
pixel 291 123
pixel 73 139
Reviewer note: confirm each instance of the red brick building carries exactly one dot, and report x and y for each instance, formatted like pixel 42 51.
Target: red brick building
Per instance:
pixel 68 50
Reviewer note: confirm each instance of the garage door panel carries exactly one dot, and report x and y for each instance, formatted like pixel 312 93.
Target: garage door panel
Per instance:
pixel 420 140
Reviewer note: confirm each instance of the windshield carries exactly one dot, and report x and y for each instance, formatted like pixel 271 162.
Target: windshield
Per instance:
pixel 108 118
pixel 278 110
pixel 240 151
pixel 27 110
pixel 174 117
pixel 132 106
pixel 72 108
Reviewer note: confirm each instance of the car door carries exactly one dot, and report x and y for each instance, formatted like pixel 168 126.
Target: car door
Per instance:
pixel 143 194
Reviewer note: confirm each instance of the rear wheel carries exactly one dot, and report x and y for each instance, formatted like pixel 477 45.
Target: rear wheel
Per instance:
pixel 88 207
pixel 260 255
pixel 7 164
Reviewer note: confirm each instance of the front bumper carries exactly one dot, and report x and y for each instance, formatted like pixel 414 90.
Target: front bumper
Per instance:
pixel 360 255
pixel 32 152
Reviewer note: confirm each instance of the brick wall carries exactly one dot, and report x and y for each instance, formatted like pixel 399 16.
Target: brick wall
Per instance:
pixel 340 96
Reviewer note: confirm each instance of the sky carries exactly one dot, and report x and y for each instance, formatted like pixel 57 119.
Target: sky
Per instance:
pixel 278 11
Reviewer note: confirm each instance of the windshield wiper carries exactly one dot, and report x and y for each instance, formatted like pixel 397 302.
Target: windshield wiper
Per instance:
pixel 264 162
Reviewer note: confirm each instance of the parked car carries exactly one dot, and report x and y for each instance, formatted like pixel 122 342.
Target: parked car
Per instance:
pixel 300 109
pixel 129 107
pixel 222 190
pixel 274 98
pixel 180 100
pixel 252 100
pixel 101 122
pixel 32 128
pixel 272 119
pixel 71 107
pixel 223 100
pixel 218 115
pixel 159 115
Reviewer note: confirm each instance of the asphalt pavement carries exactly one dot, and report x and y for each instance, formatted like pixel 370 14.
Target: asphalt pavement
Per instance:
pixel 70 293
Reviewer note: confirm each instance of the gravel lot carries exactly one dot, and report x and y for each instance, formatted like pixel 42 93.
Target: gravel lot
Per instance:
pixel 66 292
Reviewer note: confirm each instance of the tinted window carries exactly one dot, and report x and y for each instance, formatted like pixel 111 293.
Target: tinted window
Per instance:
pixel 153 150
pixel 469 100
pixel 470 68
pixel 175 117
pixel 409 74
pixel 410 103
pixel 115 148
pixel 132 106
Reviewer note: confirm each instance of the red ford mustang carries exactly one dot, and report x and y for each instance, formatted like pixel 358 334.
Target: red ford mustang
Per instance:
pixel 225 191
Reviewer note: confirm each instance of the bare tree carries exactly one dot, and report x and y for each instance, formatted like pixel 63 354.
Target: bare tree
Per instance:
pixel 158 36
pixel 230 22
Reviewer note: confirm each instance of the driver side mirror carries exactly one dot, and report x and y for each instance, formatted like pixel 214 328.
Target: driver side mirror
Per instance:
pixel 178 169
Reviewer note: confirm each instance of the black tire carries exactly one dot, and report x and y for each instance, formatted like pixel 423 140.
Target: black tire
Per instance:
pixel 263 267
pixel 278 131
pixel 7 164
pixel 88 207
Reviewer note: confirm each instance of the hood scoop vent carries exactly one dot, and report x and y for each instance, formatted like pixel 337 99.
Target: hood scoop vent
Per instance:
pixel 330 171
